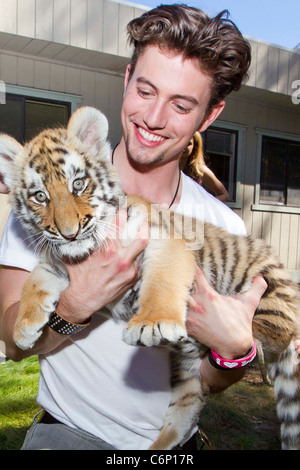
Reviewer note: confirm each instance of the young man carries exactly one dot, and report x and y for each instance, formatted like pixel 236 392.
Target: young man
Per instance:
pixel 106 393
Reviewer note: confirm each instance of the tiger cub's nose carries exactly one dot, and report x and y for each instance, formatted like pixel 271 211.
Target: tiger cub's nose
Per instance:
pixel 69 235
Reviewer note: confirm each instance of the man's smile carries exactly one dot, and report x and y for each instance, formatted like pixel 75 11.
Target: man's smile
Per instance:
pixel 148 138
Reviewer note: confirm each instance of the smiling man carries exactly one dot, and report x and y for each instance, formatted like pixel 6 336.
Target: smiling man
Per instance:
pixel 165 101
pixel 98 392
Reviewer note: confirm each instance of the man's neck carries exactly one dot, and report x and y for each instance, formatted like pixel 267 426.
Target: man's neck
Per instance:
pixel 157 184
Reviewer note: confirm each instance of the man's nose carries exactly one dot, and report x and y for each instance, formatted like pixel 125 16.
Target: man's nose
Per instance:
pixel 155 117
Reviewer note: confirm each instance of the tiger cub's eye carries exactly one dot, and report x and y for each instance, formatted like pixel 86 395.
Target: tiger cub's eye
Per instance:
pixel 78 184
pixel 40 196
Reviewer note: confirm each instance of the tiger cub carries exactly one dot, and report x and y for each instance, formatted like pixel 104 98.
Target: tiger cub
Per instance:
pixel 64 190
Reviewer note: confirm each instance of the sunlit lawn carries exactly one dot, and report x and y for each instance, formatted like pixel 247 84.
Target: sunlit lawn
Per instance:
pixel 18 391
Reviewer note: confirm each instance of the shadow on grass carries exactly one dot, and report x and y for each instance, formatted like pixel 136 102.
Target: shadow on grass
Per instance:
pixel 243 417
pixel 15 420
pixel 12 438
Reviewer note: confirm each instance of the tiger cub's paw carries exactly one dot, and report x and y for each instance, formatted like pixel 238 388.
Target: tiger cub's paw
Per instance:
pixel 26 333
pixel 153 333
pixel 31 319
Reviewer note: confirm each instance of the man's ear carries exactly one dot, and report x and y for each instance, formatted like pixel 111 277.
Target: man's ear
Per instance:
pixel 9 149
pixel 90 126
pixel 212 116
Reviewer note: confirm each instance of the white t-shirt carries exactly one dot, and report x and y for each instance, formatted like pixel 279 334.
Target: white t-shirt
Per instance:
pixel 96 382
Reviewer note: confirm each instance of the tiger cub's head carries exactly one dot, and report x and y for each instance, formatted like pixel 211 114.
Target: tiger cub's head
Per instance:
pixel 62 184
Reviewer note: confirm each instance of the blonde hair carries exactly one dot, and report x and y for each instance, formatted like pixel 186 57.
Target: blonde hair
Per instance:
pixel 192 159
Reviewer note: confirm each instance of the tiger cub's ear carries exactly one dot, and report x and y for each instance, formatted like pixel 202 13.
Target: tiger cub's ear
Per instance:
pixel 9 149
pixel 90 126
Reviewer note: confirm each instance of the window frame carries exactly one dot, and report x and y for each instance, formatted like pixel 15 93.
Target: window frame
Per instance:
pixel 22 100
pixel 239 130
pixel 273 207
pixel 46 95
pixel 73 101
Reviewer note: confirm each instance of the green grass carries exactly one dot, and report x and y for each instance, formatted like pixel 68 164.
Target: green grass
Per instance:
pixel 18 391
pixel 241 418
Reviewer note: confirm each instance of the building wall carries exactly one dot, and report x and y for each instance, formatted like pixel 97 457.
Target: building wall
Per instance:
pixel 273 68
pixel 98 88
pixel 51 25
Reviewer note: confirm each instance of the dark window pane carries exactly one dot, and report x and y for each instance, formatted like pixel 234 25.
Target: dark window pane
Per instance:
pixel 219 142
pixel 273 171
pixel 40 115
pixel 293 189
pixel 11 117
pixel 220 166
pixel 220 156
pixel 280 172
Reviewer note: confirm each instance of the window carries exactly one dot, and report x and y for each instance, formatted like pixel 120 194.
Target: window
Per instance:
pixel 280 172
pixel 220 149
pixel 24 117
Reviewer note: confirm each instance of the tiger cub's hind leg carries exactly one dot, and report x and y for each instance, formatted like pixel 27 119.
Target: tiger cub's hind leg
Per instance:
pixel 168 274
pixel 189 395
pixel 40 295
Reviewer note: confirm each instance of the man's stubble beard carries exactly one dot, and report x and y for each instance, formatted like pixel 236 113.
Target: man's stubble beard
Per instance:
pixel 141 158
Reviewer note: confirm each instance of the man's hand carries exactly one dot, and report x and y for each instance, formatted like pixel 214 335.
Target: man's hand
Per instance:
pixel 223 323
pixel 104 275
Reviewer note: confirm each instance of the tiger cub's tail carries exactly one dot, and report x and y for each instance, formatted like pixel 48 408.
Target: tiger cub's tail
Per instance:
pixel 286 375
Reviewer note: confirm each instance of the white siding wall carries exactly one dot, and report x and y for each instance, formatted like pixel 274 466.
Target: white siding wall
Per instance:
pixel 96 25
pixel 273 68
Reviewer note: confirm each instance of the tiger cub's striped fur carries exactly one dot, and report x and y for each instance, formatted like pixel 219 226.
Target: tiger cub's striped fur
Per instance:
pixel 64 190
pixel 230 263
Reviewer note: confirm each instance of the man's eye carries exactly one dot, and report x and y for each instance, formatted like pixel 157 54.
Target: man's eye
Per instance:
pixel 181 109
pixel 144 93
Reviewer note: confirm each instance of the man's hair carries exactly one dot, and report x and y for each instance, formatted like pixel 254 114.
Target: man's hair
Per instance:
pixel 216 43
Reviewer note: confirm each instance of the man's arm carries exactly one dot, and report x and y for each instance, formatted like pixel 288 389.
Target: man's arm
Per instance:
pixel 210 180
pixel 224 324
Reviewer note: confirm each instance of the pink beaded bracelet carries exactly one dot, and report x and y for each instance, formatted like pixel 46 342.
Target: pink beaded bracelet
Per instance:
pixel 222 363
